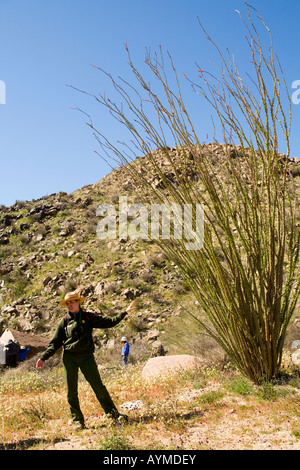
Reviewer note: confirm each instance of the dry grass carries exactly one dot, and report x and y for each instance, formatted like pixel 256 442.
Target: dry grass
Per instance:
pixel 211 408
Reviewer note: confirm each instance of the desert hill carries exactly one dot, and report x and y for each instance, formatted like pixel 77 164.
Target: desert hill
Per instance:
pixel 50 246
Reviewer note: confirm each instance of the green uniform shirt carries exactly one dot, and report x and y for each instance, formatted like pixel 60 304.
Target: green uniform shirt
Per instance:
pixel 74 332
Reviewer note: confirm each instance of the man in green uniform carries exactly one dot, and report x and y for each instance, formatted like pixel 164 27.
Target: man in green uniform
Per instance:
pixel 74 334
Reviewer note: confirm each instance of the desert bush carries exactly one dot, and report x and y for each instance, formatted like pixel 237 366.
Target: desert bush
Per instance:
pixel 244 273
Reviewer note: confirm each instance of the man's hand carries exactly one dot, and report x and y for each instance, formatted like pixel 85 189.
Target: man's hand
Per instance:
pixel 40 364
pixel 131 307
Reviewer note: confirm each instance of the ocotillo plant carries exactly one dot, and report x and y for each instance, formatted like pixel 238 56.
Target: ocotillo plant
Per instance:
pixel 245 276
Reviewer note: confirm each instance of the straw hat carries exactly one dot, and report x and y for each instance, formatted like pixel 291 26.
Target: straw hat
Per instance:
pixel 71 296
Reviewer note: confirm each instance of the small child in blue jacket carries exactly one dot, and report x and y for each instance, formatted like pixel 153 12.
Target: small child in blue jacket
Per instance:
pixel 22 353
pixel 125 350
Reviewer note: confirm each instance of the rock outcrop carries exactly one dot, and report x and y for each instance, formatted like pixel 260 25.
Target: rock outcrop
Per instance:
pixel 169 364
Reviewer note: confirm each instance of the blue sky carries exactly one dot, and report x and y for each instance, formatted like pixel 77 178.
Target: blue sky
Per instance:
pixel 45 145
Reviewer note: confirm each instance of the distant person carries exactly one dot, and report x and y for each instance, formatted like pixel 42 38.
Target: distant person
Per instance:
pixel 22 353
pixel 74 333
pixel 125 350
pixel 12 349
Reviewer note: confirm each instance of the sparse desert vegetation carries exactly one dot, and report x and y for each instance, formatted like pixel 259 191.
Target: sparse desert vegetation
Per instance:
pixel 213 407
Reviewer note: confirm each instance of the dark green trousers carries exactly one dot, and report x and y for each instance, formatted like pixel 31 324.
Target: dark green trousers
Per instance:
pixel 87 364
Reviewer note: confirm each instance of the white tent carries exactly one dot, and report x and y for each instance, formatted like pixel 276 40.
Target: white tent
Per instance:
pixel 6 336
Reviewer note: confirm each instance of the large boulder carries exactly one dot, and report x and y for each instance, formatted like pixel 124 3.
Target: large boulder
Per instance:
pixel 296 354
pixel 163 365
pixel 296 357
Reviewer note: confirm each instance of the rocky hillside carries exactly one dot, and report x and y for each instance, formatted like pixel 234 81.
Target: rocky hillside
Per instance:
pixel 49 246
